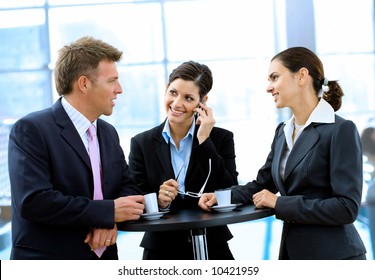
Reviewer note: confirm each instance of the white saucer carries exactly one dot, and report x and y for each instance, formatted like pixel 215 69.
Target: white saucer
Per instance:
pixel 153 216
pixel 225 208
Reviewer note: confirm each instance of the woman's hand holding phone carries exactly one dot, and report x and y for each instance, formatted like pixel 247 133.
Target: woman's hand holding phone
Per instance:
pixel 206 121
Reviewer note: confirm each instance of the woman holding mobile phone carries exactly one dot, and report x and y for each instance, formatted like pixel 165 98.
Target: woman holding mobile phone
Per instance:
pixel 181 158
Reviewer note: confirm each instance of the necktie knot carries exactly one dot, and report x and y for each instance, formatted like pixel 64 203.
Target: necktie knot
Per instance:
pixel 92 131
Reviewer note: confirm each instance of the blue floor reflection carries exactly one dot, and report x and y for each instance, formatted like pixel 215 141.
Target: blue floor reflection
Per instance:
pixel 255 240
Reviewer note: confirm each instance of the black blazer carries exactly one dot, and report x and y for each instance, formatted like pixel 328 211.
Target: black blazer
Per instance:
pixel 320 194
pixel 52 186
pixel 150 162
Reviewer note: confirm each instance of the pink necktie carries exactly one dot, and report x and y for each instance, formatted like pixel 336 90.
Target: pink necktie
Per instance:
pixel 95 165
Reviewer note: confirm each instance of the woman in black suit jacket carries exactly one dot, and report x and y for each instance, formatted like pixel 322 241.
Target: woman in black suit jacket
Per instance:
pixel 182 147
pixel 315 164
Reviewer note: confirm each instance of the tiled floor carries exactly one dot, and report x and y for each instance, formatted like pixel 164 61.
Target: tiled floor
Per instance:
pixel 255 240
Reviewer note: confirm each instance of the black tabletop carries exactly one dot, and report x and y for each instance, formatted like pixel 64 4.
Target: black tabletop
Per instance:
pixel 196 218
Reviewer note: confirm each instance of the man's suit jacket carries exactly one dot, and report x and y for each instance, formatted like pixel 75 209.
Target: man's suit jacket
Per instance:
pixel 150 162
pixel 320 193
pixel 52 186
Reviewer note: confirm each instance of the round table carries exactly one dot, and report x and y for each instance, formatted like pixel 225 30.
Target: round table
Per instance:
pixel 197 220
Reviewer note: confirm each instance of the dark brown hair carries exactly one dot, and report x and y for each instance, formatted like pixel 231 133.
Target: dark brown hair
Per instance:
pixel 200 74
pixel 81 58
pixel 296 58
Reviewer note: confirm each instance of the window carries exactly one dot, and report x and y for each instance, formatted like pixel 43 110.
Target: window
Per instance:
pixel 348 54
pixel 236 39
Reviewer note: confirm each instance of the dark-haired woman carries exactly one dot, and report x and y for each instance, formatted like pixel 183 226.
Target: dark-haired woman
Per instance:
pixel 312 177
pixel 176 158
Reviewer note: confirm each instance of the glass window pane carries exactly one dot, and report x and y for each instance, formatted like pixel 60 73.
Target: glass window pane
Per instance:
pixel 239 89
pixel 141 101
pixel 4 178
pixel 358 86
pixel 79 2
pixel 349 30
pixel 24 92
pixel 21 3
pixel 210 29
pixel 22 45
pixel 135 29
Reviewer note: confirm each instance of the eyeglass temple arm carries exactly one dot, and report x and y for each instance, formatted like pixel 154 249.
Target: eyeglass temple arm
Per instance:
pixel 182 167
pixel 208 176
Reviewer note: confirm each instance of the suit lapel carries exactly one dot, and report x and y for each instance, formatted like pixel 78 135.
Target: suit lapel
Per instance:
pixel 302 146
pixel 69 132
pixel 193 161
pixel 279 148
pixel 162 151
pixel 103 145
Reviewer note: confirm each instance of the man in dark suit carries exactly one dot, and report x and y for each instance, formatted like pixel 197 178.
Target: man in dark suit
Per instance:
pixel 54 215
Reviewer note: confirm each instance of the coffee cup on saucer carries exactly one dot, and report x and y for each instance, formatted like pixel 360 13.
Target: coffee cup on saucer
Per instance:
pixel 223 197
pixel 151 203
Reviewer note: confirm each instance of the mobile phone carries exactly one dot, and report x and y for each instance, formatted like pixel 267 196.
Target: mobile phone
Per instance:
pixel 196 113
pixel 200 101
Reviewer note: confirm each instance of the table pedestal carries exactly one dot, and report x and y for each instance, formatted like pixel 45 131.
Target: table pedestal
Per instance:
pixel 198 237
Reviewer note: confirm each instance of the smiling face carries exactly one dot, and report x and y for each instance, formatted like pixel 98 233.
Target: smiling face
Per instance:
pixel 283 85
pixel 103 91
pixel 181 98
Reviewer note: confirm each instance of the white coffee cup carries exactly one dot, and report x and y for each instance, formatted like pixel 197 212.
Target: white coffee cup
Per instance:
pixel 223 197
pixel 151 203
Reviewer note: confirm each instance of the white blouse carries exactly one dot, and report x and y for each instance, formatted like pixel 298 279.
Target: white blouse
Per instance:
pixel 323 113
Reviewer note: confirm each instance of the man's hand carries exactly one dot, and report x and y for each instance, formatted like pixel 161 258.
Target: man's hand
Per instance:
pixel 101 237
pixel 129 208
